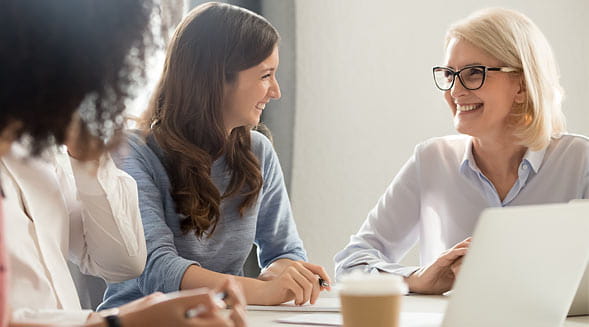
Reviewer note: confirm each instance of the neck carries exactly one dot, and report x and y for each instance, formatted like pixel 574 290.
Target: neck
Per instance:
pixel 498 157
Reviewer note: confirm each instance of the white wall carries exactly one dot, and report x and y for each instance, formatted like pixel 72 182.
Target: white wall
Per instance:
pixel 365 97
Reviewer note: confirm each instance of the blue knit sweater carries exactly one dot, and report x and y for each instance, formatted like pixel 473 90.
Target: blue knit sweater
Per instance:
pixel 269 223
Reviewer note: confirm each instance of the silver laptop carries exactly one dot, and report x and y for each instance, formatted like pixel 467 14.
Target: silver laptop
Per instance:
pixel 524 267
pixel 580 306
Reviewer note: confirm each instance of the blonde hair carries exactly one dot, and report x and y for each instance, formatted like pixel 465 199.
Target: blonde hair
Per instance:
pixel 515 40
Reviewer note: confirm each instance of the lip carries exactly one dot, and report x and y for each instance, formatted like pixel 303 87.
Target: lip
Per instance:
pixel 468 107
pixel 261 105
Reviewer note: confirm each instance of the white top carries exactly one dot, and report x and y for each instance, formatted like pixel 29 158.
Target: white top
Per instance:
pixel 438 195
pixel 59 209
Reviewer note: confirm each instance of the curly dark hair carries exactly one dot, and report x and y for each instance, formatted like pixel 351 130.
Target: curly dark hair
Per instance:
pixel 61 55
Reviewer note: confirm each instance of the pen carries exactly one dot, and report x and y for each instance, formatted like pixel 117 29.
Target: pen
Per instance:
pixel 218 299
pixel 323 283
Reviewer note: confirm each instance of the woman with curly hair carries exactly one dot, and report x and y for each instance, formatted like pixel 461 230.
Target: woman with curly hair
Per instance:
pixel 65 76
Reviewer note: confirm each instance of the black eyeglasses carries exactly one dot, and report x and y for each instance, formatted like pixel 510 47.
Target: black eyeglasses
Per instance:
pixel 471 77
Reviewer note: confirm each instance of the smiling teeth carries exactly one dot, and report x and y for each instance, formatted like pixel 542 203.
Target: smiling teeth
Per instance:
pixel 468 107
pixel 261 106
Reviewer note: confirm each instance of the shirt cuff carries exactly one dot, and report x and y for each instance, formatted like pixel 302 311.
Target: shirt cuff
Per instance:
pixel 178 267
pixel 49 317
pixel 396 269
pixel 291 256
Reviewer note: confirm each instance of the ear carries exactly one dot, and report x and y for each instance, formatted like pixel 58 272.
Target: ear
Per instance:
pixel 521 94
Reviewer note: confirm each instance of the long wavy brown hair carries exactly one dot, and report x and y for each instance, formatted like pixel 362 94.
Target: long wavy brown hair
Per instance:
pixel 211 45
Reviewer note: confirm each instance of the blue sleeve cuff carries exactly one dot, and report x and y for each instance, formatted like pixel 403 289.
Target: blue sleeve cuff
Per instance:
pixel 291 256
pixel 171 275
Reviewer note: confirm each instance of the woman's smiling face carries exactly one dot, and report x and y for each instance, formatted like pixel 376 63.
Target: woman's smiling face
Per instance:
pixel 483 112
pixel 247 96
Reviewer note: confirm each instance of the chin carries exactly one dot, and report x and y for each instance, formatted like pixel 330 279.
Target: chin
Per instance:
pixel 460 128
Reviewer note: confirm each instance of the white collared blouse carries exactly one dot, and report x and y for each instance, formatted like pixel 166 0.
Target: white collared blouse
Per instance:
pixel 437 197
pixel 56 209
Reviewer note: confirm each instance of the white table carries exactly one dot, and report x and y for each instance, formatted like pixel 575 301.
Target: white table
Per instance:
pixel 412 303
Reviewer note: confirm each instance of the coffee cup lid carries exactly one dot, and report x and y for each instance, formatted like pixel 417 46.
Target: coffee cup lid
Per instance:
pixel 360 283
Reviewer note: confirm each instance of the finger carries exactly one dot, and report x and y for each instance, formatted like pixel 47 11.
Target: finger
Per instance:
pixel 190 300
pixel 463 244
pixel 234 293
pixel 307 285
pixel 304 284
pixel 237 316
pixel 318 270
pixel 315 291
pixel 182 293
pixel 306 272
pixel 291 285
pixel 456 266
pixel 156 297
pixel 451 255
pixel 313 279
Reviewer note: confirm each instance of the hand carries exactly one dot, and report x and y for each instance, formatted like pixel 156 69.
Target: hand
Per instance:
pixel 235 297
pixel 439 277
pixel 163 310
pixel 456 266
pixel 130 307
pixel 170 309
pixel 236 300
pixel 287 279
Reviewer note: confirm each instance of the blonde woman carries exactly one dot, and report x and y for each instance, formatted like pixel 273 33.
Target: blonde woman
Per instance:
pixel 501 83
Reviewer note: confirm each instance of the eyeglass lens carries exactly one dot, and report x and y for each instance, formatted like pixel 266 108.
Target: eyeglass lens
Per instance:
pixel 471 77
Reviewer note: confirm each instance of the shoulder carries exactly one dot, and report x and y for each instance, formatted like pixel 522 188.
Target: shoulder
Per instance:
pixel 135 142
pixel 450 145
pixel 572 144
pixel 261 145
pixel 571 139
pixel 136 154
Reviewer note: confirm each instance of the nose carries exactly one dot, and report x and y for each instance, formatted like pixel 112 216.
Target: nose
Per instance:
pixel 274 90
pixel 457 89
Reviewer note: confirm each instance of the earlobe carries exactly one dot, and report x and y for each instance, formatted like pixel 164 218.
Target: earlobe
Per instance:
pixel 520 96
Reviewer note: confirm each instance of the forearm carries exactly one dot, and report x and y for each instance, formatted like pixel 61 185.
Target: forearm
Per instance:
pixel 198 277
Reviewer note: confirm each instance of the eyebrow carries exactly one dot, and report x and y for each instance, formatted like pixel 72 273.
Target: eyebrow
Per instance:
pixel 264 70
pixel 467 65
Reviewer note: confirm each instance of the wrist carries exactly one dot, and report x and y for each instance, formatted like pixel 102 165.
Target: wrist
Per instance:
pixel 255 291
pixel 412 281
pixel 267 274
pixel 274 269
pixel 110 317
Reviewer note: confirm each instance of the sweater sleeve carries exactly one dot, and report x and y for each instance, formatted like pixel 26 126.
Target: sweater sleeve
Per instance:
pixel 164 268
pixel 276 232
pixel 389 231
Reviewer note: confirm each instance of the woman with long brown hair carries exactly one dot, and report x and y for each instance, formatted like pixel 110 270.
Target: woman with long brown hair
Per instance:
pixel 210 186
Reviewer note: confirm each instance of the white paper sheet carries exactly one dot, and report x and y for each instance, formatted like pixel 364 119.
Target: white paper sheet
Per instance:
pixel 408 319
pixel 322 305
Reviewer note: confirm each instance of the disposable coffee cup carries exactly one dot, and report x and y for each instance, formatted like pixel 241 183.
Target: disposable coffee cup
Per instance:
pixel 371 299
